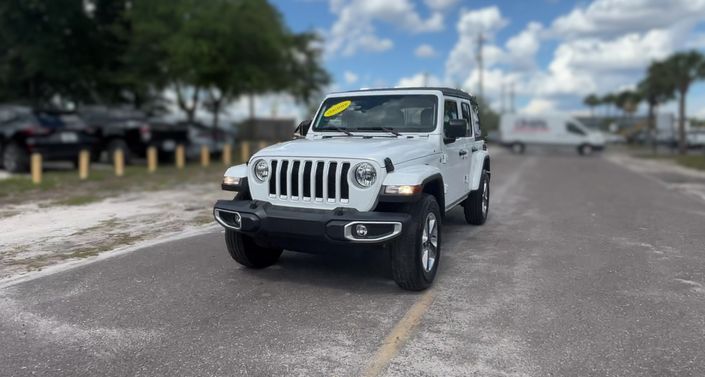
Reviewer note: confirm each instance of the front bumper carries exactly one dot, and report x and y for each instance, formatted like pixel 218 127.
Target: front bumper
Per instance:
pixel 286 226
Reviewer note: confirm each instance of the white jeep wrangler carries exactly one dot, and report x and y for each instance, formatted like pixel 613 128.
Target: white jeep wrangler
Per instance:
pixel 374 169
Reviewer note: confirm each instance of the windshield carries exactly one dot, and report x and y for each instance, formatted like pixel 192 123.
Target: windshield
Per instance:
pixel 401 113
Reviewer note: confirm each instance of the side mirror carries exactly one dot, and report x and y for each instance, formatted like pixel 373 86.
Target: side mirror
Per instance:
pixel 302 129
pixel 456 128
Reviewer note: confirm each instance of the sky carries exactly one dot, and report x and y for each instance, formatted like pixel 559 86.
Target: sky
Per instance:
pixel 552 52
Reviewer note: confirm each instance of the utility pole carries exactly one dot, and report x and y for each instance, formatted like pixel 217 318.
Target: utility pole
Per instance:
pixel 502 95
pixel 511 97
pixel 480 41
pixel 425 79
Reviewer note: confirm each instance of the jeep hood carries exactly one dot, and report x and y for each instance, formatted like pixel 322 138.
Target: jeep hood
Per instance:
pixel 398 149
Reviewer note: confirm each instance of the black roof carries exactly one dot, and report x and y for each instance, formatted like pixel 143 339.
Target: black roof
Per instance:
pixel 446 91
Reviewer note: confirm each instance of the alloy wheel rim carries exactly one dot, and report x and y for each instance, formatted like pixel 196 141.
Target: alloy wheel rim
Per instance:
pixel 485 199
pixel 429 242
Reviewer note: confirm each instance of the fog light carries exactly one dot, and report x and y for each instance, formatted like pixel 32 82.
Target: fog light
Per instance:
pixel 360 230
pixel 237 220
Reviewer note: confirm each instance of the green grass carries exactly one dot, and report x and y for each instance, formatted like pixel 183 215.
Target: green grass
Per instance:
pixel 692 161
pixel 78 200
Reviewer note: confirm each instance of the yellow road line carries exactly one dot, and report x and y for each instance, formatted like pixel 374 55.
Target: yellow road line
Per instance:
pixel 399 335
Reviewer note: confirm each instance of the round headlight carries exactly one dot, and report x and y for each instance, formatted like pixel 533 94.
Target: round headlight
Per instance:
pixel 261 170
pixel 365 175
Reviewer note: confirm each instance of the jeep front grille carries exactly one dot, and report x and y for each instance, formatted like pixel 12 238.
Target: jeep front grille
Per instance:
pixel 309 180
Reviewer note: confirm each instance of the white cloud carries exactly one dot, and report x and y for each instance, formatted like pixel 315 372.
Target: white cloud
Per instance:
pixel 522 48
pixel 440 4
pixel 425 51
pixel 538 106
pixel 350 77
pixel 419 79
pixel 485 21
pixel 354 28
pixel 613 17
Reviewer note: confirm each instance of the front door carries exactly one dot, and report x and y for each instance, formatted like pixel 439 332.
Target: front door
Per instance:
pixel 457 156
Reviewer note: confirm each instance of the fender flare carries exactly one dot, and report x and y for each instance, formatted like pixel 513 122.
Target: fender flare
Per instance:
pixel 238 171
pixel 423 175
pixel 480 159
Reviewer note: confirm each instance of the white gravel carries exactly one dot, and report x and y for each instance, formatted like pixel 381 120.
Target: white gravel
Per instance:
pixel 34 236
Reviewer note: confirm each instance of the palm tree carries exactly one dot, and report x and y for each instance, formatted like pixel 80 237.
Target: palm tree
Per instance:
pixel 682 69
pixel 656 89
pixel 609 100
pixel 591 101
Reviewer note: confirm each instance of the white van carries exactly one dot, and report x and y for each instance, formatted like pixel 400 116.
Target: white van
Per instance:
pixel 518 131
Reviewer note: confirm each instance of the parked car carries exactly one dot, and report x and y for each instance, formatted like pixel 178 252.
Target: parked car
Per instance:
pixel 132 132
pixel 55 135
pixel 377 169
pixel 199 135
pixel 518 131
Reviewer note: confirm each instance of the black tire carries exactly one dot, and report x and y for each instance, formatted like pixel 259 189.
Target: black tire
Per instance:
pixel 15 159
pixel 518 148
pixel 477 206
pixel 585 149
pixel 118 144
pixel 408 267
pixel 245 251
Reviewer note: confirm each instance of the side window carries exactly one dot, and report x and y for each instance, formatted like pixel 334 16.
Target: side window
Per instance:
pixel 450 112
pixel 466 115
pixel 476 120
pixel 573 129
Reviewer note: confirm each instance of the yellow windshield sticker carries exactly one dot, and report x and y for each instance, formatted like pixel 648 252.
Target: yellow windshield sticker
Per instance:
pixel 337 108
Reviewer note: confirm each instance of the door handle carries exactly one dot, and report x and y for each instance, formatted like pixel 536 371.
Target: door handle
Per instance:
pixel 462 153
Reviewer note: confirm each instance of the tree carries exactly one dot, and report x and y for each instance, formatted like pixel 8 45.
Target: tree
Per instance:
pixel 628 101
pixel 656 89
pixel 591 101
pixel 609 101
pixel 682 69
pixel 59 50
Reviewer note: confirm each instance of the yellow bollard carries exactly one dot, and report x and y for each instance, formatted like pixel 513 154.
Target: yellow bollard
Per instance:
pixel 262 145
pixel 227 154
pixel 84 160
pixel 36 168
pixel 244 151
pixel 152 159
pixel 180 157
pixel 205 156
pixel 119 159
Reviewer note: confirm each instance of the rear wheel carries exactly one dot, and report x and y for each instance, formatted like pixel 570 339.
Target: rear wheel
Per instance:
pixel 477 205
pixel 15 159
pixel 415 255
pixel 518 148
pixel 585 149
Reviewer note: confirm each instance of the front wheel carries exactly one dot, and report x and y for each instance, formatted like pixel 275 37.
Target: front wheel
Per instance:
pixel 477 205
pixel 416 254
pixel 245 251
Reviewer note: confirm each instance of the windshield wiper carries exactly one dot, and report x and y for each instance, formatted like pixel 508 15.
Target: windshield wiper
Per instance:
pixel 339 129
pixel 385 129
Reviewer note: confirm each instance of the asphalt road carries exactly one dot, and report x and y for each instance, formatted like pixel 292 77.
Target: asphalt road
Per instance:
pixel 584 268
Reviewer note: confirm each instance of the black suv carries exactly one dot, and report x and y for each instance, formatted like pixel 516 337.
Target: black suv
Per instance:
pixel 55 135
pixel 132 132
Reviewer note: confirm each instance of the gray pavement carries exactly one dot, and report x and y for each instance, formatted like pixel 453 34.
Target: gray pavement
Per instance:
pixel 584 268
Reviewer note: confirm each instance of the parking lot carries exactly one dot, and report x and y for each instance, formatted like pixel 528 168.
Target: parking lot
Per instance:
pixel 568 277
